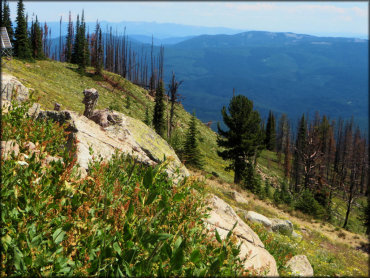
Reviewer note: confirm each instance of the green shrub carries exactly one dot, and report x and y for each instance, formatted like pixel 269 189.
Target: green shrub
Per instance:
pixel 122 219
pixel 307 204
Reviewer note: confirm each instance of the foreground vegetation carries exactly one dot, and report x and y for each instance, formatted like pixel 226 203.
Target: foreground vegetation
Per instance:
pixel 122 219
pixel 328 254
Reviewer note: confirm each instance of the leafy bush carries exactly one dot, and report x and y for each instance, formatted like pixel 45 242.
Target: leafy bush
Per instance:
pixel 122 219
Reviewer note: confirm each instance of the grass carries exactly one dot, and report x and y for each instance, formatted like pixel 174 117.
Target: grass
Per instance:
pixel 54 81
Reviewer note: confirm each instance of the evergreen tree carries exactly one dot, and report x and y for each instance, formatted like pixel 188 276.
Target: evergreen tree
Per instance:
pixel 69 43
pixel 299 148
pixel 270 139
pixel 21 44
pixel 191 151
pixel 158 116
pixel 6 22
pixel 80 55
pixel 36 40
pixel 243 138
pixel 76 43
pixel 99 53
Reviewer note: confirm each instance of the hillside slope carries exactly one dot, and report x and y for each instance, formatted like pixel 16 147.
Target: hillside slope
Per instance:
pixel 45 78
pixel 60 82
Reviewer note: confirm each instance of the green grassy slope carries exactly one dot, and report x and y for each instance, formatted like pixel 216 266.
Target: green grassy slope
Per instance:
pixel 60 82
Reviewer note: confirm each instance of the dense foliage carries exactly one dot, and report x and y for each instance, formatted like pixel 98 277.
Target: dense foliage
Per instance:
pixel 122 219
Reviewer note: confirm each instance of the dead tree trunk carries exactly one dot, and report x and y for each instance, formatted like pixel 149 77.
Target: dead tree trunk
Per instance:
pixel 90 100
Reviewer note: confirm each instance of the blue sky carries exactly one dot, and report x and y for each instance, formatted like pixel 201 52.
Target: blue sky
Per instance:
pixel 300 17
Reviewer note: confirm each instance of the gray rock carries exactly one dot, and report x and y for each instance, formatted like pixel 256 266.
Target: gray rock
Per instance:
pixel 222 218
pixel 129 136
pixel 259 218
pixel 300 266
pixel 11 88
pixel 282 226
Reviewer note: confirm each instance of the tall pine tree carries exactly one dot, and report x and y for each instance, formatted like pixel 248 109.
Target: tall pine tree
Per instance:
pixel 158 116
pixel 69 43
pixel 270 139
pixel 21 44
pixel 98 50
pixel 299 148
pixel 191 151
pixel 36 40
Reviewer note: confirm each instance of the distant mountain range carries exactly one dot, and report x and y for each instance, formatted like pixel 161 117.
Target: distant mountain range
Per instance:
pixel 146 29
pixel 285 72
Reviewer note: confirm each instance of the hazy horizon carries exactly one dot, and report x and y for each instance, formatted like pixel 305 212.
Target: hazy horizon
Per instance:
pixel 346 19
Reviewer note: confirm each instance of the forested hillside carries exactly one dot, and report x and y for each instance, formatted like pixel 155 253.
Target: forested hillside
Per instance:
pixel 285 72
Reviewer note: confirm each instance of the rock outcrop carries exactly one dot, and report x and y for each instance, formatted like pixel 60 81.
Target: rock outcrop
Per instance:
pixel 259 218
pixel 11 88
pixel 223 217
pixel 130 136
pixel 300 266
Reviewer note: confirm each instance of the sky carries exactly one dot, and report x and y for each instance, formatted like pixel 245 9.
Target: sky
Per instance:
pixel 300 17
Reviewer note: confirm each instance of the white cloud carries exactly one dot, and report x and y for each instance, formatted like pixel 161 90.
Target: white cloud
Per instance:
pixel 360 12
